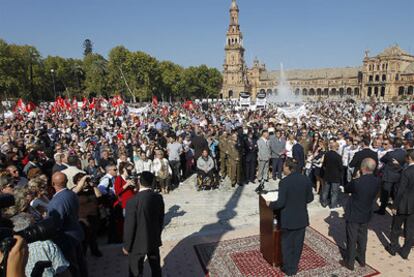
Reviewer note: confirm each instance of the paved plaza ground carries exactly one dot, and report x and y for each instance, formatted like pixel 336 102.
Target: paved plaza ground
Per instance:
pixel 196 217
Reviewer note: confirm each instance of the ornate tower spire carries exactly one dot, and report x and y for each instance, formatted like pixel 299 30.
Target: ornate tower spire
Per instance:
pixel 234 73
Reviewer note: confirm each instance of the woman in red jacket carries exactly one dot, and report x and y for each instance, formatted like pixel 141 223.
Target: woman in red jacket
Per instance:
pixel 125 188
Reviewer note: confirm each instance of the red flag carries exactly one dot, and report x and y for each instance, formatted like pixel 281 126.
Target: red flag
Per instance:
pixel 155 102
pixel 118 111
pixel 30 107
pixel 67 105
pixel 92 104
pixel 188 105
pixel 20 106
pixel 85 103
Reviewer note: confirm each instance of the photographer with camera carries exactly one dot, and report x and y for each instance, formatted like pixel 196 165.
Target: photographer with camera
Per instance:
pixel 106 187
pixel 125 184
pixel 89 195
pixel 44 256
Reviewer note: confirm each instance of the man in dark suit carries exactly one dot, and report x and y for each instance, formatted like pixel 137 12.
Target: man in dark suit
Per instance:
pixel 332 166
pixel 144 221
pixel 64 209
pixel 295 192
pixel 403 211
pixel 391 173
pixel 251 157
pixel 358 212
pixel 359 156
pixel 298 154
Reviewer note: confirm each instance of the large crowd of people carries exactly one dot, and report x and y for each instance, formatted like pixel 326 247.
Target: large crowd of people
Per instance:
pixel 81 166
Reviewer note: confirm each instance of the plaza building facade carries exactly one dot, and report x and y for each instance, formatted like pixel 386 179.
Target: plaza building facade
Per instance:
pixel 388 76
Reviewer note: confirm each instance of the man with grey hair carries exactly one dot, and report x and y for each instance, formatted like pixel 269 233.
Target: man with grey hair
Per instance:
pixel 358 212
pixel 43 255
pixel 263 158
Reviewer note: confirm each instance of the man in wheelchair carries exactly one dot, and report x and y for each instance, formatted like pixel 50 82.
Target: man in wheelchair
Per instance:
pixel 206 172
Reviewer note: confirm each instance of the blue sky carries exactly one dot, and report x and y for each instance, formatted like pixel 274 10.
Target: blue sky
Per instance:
pixel 299 33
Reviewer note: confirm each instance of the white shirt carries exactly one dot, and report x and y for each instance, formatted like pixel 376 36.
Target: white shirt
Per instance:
pixel 289 146
pixel 157 166
pixel 141 166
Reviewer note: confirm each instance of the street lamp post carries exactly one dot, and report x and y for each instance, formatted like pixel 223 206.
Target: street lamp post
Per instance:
pixel 52 71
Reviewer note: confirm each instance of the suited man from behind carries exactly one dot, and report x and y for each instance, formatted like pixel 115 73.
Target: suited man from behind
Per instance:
pixel 403 211
pixel 64 209
pixel 144 221
pixel 332 166
pixel 295 192
pixel 359 156
pixel 298 154
pixel 358 212
pixel 391 173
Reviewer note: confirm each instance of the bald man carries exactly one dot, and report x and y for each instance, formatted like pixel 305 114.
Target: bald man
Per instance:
pixel 358 212
pixel 64 208
pixel 332 176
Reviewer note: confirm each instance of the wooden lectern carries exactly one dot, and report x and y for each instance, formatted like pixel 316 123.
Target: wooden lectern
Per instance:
pixel 270 235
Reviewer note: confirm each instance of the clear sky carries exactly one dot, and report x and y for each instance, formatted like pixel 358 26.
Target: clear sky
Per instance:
pixel 299 33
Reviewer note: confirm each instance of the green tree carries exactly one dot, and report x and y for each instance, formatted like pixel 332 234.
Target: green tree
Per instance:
pixel 117 71
pixel 95 69
pixel 200 82
pixel 171 75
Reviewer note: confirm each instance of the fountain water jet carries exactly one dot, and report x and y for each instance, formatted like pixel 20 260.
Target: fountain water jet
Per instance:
pixel 284 91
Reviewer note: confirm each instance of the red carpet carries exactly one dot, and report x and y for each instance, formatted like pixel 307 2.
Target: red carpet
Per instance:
pixel 242 257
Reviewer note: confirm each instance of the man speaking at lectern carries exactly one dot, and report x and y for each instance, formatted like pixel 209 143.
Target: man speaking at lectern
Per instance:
pixel 295 192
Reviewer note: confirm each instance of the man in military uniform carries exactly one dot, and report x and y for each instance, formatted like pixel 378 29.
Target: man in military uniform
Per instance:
pixel 234 161
pixel 223 146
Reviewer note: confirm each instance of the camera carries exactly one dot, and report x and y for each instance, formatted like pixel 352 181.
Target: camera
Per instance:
pixel 43 230
pixel 94 180
pixel 40 231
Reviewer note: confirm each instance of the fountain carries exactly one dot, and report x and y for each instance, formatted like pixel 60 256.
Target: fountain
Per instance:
pixel 284 91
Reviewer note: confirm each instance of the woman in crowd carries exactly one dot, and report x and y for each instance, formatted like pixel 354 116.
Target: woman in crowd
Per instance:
pixel 162 172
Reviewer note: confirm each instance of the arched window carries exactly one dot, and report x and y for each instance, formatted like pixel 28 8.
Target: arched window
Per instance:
pixel 326 91
pixel 397 77
pixel 297 92
pixel 377 78
pixel 384 77
pixel 269 92
pixel 341 91
pixel 305 91
pixel 376 91
pixel 230 94
pixel 382 91
pixel 369 91
pixel 312 91
pixel 319 91
pixel 349 91
pixel 371 78
pixel 356 91
pixel 333 91
pixel 410 90
pixel 401 91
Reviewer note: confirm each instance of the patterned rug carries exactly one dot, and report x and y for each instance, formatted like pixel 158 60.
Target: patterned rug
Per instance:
pixel 242 257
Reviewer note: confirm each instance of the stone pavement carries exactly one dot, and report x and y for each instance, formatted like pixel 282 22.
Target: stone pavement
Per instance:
pixel 196 217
